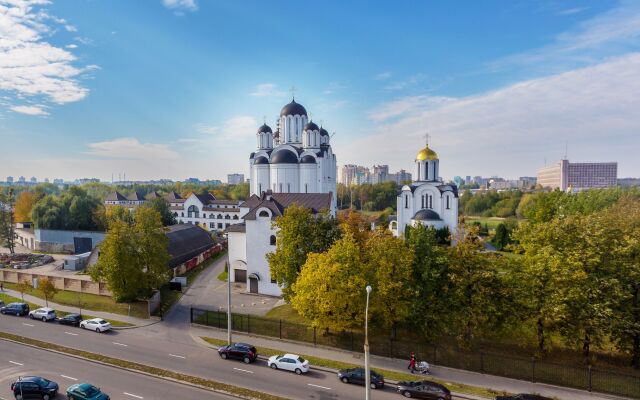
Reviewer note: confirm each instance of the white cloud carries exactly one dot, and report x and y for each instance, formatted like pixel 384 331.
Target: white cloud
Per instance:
pixel 71 46
pixel 411 81
pixel 511 130
pixel 239 127
pixel 30 110
pixel 207 129
pixel 382 76
pixel 571 11
pixel 267 90
pixel 185 5
pixel 132 149
pixel 30 67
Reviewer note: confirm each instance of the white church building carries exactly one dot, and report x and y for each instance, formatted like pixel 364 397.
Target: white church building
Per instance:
pixel 293 165
pixel 427 201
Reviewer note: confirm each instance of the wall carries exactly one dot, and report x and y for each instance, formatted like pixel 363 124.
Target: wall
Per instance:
pixel 58 241
pixel 237 252
pixel 258 234
pixel 63 283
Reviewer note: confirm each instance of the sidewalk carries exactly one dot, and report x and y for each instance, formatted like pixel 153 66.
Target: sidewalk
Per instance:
pixel 70 309
pixel 441 373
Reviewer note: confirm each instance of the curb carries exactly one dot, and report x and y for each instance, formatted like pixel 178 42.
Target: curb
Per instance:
pixel 237 396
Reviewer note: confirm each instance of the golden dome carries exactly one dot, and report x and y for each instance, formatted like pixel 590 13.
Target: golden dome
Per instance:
pixel 426 154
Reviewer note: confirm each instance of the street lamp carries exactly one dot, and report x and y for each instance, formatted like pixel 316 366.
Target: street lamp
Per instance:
pixel 229 303
pixel 367 373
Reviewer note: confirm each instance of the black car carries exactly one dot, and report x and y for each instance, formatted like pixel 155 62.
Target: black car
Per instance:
pixel 15 309
pixel 357 376
pixel 424 390
pixel 70 319
pixel 523 396
pixel 239 351
pixel 34 387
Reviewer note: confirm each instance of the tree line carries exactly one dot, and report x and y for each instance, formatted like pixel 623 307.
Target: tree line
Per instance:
pixel 576 284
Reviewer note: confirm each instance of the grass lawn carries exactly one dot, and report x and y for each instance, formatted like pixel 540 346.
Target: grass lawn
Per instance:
pixel 395 375
pixel 92 302
pixel 286 313
pixel 491 222
pixel 223 276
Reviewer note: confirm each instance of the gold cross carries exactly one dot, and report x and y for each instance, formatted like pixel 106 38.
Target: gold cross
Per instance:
pixel 426 138
pixel 293 92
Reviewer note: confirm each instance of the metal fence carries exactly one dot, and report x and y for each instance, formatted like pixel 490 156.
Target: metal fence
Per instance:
pixel 401 343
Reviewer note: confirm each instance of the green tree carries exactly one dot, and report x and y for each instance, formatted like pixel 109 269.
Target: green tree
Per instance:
pixel 162 207
pixel 23 207
pixel 299 233
pixel 47 288
pixel 502 237
pixel 72 210
pixel 22 287
pixel 7 229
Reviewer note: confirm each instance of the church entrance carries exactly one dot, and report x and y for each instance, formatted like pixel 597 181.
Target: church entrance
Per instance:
pixel 253 284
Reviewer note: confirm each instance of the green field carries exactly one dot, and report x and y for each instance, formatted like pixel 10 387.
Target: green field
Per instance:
pixel 490 222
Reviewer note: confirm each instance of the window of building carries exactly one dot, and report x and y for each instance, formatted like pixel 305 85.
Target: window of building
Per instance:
pixel 219 225
pixel 192 211
pixel 422 201
pixel 406 201
pixel 219 216
pixel 281 188
pixel 288 188
pixel 182 214
pixel 305 188
pixel 430 201
pixel 447 202
pixel 235 217
pixel 212 225
pixel 272 240
pixel 259 188
pixel 227 216
pixel 263 213
pixel 204 215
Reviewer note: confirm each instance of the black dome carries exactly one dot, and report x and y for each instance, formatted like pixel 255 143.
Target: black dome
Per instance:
pixel 426 215
pixel 293 108
pixel 284 157
pixel 324 132
pixel 265 129
pixel 261 160
pixel 311 127
pixel 308 159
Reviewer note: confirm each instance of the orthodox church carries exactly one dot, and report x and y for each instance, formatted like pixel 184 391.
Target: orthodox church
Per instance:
pixel 427 200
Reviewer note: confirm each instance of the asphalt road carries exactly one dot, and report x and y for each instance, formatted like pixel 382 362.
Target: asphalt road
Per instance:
pixel 191 358
pixel 18 360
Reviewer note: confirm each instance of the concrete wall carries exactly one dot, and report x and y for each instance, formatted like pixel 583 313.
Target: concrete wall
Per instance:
pixel 62 283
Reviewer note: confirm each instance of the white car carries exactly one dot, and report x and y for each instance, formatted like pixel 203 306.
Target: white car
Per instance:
pixel 44 313
pixel 289 362
pixel 97 324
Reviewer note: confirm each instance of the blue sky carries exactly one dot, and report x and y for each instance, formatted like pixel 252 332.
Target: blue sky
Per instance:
pixel 177 88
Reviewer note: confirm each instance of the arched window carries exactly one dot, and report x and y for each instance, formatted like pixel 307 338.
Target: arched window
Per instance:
pixel 193 211
pixel 430 201
pixel 204 215
pixel 235 217
pixel 182 214
pixel 447 202
pixel 422 201
pixel 263 213
pixel 288 188
pixel 175 214
pixel 306 188
pixel 272 240
pixel 219 216
pixel 259 188
pixel 227 216
pixel 406 201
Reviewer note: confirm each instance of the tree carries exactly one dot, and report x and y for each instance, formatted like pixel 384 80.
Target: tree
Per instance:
pixel 23 286
pixel 501 237
pixel 23 207
pixel 47 288
pixel 7 229
pixel 162 207
pixel 72 210
pixel 299 233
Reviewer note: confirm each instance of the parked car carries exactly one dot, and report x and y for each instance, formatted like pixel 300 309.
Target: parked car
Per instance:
pixel 96 324
pixel 44 313
pixel 34 387
pixel 239 351
pixel 357 376
pixel 289 362
pixel 424 390
pixel 71 319
pixel 1 303
pixel 85 391
pixel 523 396
pixel 17 309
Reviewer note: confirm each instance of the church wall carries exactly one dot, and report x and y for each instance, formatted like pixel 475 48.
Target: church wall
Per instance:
pixel 237 252
pixel 285 178
pixel 260 178
pixel 308 177
pixel 259 232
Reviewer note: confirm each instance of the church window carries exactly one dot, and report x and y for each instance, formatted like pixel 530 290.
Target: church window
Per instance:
pixel 219 216
pixel 272 240
pixel 175 214
pixel 306 188
pixel 419 172
pixel 422 201
pixel 281 188
pixel 182 214
pixel 447 202
pixel 235 217
pixel 263 213
pixel 426 171
pixel 193 211
pixel 430 201
pixel 259 188
pixel 227 216
pixel 288 188
pixel 406 201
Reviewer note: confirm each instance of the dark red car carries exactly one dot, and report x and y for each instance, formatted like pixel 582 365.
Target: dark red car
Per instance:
pixel 239 351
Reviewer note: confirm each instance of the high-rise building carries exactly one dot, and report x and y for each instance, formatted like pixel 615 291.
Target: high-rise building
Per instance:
pixel 9 179
pixel 380 174
pixel 577 176
pixel 235 179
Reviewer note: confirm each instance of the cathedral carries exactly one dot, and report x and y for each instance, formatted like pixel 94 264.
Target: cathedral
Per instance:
pixel 427 200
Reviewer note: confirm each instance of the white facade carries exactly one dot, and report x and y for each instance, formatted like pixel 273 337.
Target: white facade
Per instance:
pixel 208 212
pixel 427 201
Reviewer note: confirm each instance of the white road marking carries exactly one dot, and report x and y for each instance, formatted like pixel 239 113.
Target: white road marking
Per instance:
pixel 318 386
pixel 72 334
pixel 133 395
pixel 120 344
pixel 243 370
pixel 16 363
pixel 173 355
pixel 24 323
pixel 69 377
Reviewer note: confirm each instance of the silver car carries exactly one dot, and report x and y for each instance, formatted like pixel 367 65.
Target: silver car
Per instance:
pixel 45 314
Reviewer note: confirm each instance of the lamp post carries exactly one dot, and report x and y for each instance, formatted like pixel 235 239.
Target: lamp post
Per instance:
pixel 226 235
pixel 367 373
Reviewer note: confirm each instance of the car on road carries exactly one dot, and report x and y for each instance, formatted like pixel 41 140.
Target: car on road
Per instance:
pixel 17 309
pixel 34 387
pixel 45 314
pixel 70 319
pixel 239 351
pixel 523 396
pixel 357 376
pixel 85 391
pixel 289 362
pixel 424 390
pixel 96 324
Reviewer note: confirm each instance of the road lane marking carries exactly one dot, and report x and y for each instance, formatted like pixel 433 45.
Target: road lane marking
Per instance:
pixel 318 386
pixel 176 356
pixel 72 334
pixel 243 370
pixel 69 377
pixel 133 395
pixel 16 363
pixel 120 344
pixel 24 323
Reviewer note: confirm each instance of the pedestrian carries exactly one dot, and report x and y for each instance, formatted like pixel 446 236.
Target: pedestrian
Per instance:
pixel 412 363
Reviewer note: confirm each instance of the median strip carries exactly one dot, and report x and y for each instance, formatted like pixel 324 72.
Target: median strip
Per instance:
pixel 191 380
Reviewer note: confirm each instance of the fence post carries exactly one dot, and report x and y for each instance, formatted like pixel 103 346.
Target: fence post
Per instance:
pixel 533 369
pixel 314 335
pixel 280 329
pixel 248 323
pixel 191 313
pixel 482 362
pixel 589 371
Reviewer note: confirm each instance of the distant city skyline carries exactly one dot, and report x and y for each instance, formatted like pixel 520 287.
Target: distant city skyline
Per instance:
pixel 166 89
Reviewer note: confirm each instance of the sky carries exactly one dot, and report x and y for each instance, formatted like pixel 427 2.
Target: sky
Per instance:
pixel 177 88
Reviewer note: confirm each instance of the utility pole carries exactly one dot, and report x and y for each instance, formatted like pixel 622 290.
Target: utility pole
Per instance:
pixel 228 304
pixel 367 372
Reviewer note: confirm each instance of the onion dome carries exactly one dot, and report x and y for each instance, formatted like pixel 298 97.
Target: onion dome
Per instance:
pixel 426 215
pixel 293 108
pixel 426 154
pixel 284 157
pixel 308 159
pixel 323 132
pixel 311 127
pixel 261 160
pixel 265 129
